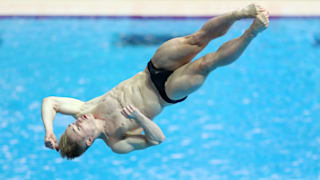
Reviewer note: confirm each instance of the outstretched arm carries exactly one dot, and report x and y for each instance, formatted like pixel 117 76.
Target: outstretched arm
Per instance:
pixel 52 105
pixel 153 134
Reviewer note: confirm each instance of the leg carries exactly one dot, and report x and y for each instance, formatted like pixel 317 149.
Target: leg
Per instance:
pixel 179 51
pixel 190 77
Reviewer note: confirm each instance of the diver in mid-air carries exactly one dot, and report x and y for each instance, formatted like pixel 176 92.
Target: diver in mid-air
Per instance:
pixel 119 116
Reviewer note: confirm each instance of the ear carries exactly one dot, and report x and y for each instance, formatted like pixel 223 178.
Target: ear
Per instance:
pixel 89 141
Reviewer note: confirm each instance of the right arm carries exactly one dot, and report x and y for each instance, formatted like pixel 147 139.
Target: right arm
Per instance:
pixel 52 105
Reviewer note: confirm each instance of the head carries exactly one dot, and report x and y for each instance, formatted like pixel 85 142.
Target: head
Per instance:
pixel 78 137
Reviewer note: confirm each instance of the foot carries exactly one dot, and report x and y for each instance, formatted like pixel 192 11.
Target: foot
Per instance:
pixel 260 23
pixel 251 11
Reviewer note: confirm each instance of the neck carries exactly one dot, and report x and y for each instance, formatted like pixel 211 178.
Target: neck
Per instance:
pixel 100 130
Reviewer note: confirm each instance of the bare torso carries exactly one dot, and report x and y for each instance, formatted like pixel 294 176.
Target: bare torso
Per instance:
pixel 137 91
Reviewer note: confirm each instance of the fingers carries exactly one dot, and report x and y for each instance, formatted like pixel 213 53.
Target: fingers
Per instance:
pixel 129 111
pixel 52 145
pixel 131 108
pixel 125 112
pixel 51 142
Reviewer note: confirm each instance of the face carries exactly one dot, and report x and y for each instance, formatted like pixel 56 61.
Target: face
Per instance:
pixel 82 130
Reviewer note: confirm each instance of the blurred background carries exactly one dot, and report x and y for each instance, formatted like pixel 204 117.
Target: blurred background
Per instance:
pixel 255 119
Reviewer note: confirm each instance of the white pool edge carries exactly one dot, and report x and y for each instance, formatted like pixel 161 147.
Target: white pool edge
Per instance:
pixel 152 8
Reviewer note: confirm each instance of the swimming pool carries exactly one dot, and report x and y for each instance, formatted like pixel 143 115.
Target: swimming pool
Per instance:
pixel 255 119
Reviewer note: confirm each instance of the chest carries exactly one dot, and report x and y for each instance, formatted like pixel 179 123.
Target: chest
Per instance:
pixel 116 125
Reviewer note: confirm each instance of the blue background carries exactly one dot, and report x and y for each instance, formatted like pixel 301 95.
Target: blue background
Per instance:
pixel 255 119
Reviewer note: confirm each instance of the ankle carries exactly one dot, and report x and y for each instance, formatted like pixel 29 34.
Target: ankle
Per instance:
pixel 249 33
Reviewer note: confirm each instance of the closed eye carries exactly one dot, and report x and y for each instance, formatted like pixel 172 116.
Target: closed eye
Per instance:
pixel 73 128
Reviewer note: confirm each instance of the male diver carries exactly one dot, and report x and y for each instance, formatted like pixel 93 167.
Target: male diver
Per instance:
pixel 119 116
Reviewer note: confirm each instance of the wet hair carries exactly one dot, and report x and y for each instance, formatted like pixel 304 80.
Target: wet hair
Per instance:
pixel 70 149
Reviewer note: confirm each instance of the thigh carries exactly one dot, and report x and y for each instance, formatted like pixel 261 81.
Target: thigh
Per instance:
pixel 178 51
pixel 184 81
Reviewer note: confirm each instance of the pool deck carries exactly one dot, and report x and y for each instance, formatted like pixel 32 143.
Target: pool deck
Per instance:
pixel 152 8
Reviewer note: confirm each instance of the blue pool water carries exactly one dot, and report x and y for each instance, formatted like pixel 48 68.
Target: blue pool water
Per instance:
pixel 255 119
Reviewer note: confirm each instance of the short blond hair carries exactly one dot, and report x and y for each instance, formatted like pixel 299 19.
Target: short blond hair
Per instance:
pixel 68 148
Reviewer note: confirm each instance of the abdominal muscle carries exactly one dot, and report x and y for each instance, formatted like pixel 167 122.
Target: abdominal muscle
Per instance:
pixel 141 93
pixel 137 91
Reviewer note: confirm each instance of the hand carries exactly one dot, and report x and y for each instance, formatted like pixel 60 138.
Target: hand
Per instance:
pixel 51 141
pixel 130 112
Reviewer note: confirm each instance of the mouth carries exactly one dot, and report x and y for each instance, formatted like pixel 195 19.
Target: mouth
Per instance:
pixel 84 117
pixel 76 126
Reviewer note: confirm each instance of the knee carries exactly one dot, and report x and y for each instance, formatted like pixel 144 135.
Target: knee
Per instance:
pixel 199 39
pixel 206 64
pixel 197 80
pixel 196 74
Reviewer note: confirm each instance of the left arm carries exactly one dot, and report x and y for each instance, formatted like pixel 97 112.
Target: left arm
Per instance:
pixel 130 143
pixel 153 134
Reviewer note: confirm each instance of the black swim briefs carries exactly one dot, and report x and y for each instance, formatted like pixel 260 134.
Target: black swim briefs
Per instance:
pixel 159 78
